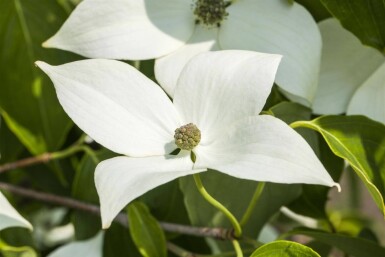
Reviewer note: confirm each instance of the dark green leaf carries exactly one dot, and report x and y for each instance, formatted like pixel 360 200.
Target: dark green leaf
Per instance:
pixel 290 112
pixel 118 242
pixel 10 146
pixel 321 248
pixel 84 189
pixel 166 203
pixel 145 231
pixel 316 8
pixel 364 18
pixel 355 246
pixel 28 102
pixel 283 248
pixel 361 142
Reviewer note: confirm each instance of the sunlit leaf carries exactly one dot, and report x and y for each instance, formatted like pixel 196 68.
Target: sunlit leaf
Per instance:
pixel 284 249
pixel 361 142
pixel 13 251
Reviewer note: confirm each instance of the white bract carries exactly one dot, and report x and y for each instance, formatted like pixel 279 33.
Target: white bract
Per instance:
pixel 352 77
pixel 220 92
pixel 176 30
pixel 92 247
pixel 9 217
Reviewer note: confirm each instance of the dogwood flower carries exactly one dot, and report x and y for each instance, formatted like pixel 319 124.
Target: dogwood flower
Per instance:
pixel 176 30
pixel 352 77
pixel 214 115
pixel 9 217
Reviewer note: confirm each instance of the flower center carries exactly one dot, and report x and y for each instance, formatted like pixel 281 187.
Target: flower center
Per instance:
pixel 210 12
pixel 187 137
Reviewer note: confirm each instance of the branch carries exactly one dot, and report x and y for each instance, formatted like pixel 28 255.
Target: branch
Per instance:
pixel 46 157
pixel 218 233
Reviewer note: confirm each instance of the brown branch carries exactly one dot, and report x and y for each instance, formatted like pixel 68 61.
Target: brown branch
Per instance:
pixel 46 157
pixel 218 233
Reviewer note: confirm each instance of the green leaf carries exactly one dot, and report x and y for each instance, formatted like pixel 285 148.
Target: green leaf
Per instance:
pixel 83 188
pixel 315 7
pixel 283 248
pixel 145 231
pixel 355 246
pixel 28 101
pixel 361 142
pixel 364 18
pixel 10 146
pixel 166 203
pixel 290 112
pixel 118 242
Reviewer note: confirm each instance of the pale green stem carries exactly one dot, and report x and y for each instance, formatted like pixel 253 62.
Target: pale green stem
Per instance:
pixel 237 248
pixel 72 150
pixel 253 203
pixel 299 124
pixel 218 205
pixel 136 64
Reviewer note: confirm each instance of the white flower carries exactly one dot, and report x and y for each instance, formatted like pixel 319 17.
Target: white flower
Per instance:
pixel 92 247
pixel 168 30
pixel 9 217
pixel 352 77
pixel 221 92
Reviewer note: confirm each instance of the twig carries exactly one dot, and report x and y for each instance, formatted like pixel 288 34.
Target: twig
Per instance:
pixel 218 233
pixel 46 157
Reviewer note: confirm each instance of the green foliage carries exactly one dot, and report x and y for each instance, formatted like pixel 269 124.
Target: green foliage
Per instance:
pixel 361 142
pixel 364 18
pixel 358 247
pixel 84 224
pixel 10 147
pixel 284 249
pixel 118 242
pixel 27 101
pixel 145 231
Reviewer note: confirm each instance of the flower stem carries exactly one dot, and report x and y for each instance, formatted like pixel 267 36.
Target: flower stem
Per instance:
pixel 237 248
pixel 218 205
pixel 253 203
